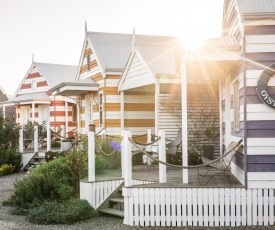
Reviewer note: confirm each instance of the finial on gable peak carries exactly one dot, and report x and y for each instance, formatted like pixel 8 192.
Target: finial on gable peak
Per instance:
pixel 133 39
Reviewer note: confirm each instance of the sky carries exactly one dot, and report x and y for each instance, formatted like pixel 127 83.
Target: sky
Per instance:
pixel 53 30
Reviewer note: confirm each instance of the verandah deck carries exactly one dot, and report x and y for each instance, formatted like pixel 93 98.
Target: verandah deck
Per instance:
pixel 174 177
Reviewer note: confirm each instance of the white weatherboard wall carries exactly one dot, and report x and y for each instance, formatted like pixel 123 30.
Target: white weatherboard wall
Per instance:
pixel 199 207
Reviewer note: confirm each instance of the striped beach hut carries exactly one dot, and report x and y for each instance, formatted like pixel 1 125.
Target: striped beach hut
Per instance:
pixel 33 100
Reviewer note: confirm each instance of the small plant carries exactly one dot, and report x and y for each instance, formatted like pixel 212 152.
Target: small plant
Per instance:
pixel 67 212
pixel 6 169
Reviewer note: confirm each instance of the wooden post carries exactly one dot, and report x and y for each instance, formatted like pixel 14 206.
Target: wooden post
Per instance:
pixel 184 120
pixel 127 158
pixel 122 110
pixel 62 134
pixel 35 139
pixel 48 138
pixel 21 140
pixel 162 157
pixel 91 156
pixel 148 148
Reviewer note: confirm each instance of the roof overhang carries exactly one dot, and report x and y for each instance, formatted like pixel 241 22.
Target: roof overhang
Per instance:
pixel 37 98
pixel 74 88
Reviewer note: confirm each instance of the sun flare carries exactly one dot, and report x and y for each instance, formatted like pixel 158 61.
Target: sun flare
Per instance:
pixel 192 42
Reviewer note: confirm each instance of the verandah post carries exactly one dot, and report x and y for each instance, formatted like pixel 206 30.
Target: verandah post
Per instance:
pixel 21 140
pixel 35 140
pixel 162 157
pixel 91 156
pixel 148 148
pixel 48 138
pixel 126 152
pixel 63 132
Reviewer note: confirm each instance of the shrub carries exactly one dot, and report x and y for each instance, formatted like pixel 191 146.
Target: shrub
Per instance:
pixel 49 155
pixel 9 133
pixel 42 130
pixel 100 163
pixel 11 157
pixel 77 167
pixel 67 212
pixel 46 182
pixel 6 169
pixel 193 157
pixel 55 144
pixel 137 159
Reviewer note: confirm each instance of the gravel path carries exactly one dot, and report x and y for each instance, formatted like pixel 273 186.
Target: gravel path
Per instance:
pixel 8 221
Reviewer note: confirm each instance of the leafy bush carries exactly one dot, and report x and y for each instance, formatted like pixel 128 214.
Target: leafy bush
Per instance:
pixel 100 163
pixel 137 159
pixel 42 130
pixel 193 157
pixel 9 133
pixel 49 155
pixel 77 167
pixel 48 182
pixel 55 144
pixel 67 212
pixel 6 169
pixel 11 157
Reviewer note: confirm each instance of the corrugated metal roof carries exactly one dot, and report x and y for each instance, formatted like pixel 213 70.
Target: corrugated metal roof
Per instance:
pixel 41 96
pixel 160 59
pixel 55 73
pixel 113 50
pixel 256 6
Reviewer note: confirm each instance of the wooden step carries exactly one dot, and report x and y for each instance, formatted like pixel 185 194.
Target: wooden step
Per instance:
pixel 117 200
pixel 113 212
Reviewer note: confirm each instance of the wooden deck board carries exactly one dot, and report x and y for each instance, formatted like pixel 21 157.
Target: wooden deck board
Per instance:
pixel 174 177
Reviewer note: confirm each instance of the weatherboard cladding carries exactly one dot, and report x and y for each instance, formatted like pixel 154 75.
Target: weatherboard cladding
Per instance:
pixel 260 125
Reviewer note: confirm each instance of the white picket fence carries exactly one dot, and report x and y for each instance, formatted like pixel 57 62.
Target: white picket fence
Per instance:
pixel 198 206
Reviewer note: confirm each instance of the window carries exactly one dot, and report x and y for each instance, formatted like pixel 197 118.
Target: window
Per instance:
pixel 236 106
pixel 100 110
pixel 74 112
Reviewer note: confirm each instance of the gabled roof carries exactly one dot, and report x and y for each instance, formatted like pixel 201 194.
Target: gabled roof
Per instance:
pixel 113 49
pixel 255 7
pixel 159 59
pixel 56 73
